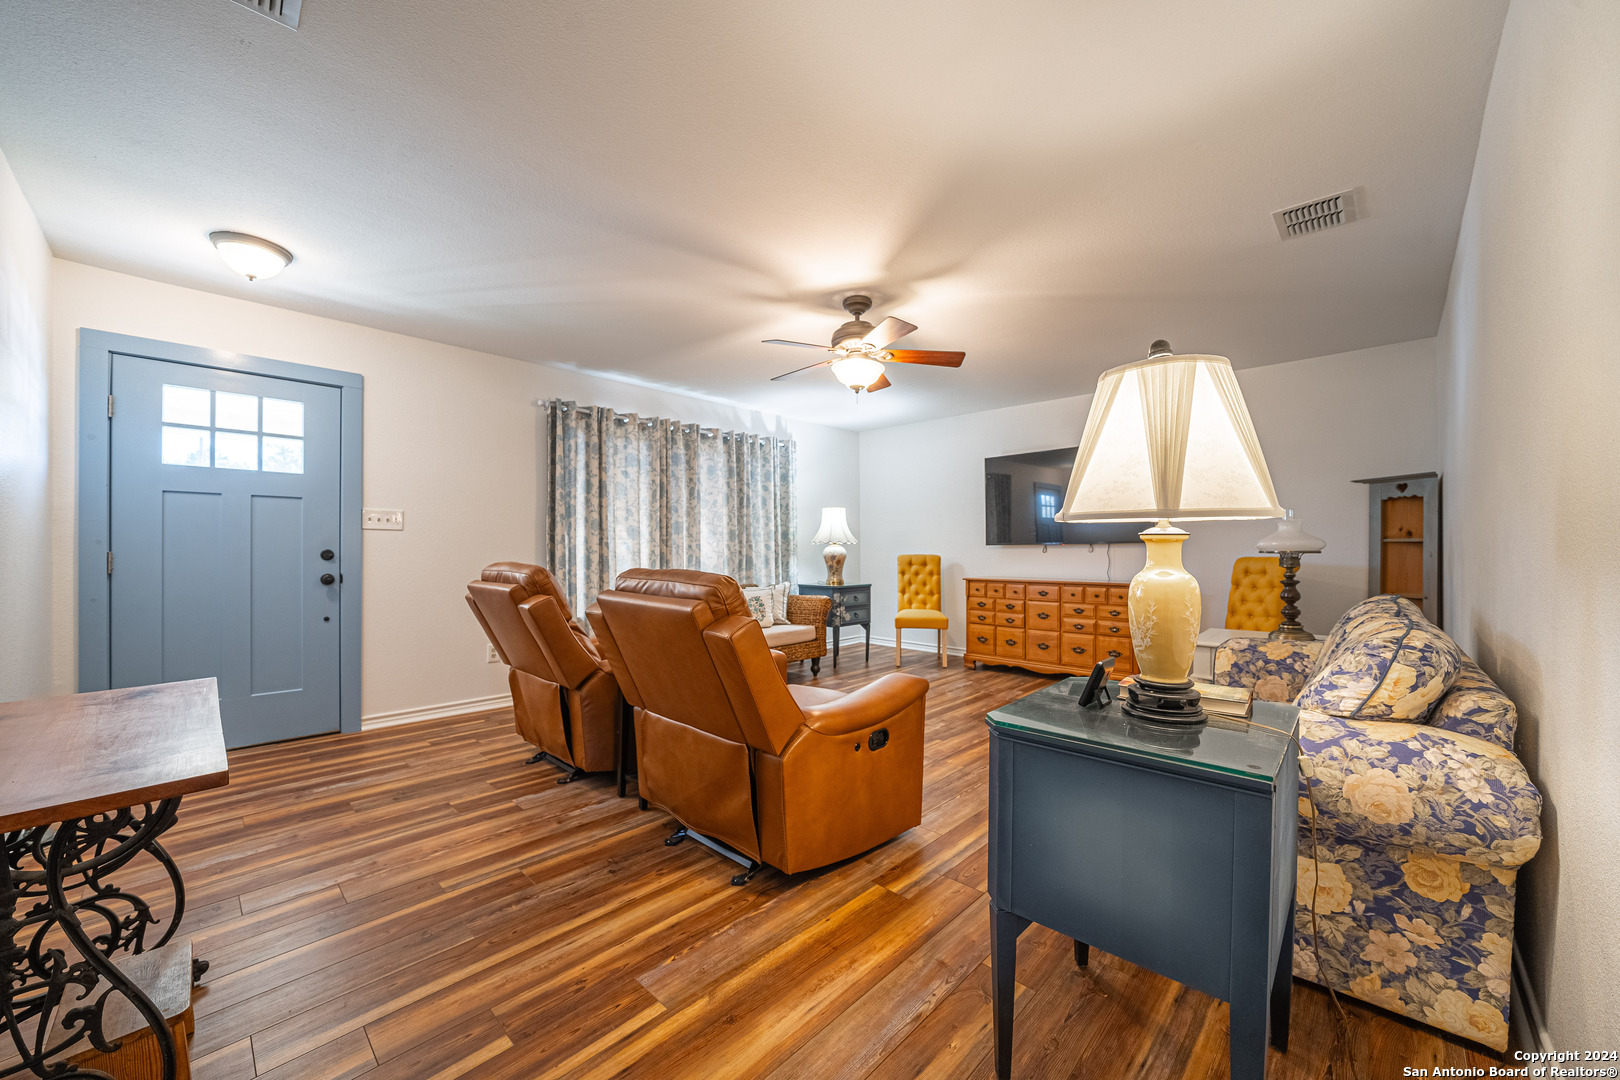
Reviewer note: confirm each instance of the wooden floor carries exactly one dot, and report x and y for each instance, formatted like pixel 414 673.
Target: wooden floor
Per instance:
pixel 418 902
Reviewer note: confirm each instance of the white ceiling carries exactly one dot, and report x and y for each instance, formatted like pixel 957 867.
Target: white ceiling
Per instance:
pixel 648 189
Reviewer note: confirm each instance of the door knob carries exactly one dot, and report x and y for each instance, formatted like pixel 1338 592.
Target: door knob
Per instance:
pixel 326 554
pixel 327 579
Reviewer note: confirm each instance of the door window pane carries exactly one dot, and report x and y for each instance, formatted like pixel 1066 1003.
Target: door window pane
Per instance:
pixel 185 446
pixel 233 451
pixel 239 411
pixel 282 417
pixel 184 405
pixel 283 455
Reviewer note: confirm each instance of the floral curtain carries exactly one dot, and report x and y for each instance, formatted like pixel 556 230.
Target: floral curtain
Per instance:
pixel 630 491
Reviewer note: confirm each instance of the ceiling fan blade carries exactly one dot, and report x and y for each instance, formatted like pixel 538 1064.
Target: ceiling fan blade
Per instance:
pixel 886 332
pixel 798 344
pixel 807 367
pixel 881 384
pixel 927 356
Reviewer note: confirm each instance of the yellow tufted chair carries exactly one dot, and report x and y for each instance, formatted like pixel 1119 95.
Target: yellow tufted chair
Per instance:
pixel 1255 602
pixel 921 602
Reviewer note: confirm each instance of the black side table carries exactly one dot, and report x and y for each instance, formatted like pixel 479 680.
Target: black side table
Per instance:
pixel 1171 847
pixel 851 606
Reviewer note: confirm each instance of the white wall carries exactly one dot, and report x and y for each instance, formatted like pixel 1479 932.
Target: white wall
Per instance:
pixel 25 583
pixel 1323 422
pixel 1530 381
pixel 452 437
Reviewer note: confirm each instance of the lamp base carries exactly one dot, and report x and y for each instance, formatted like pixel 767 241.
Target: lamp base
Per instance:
pixel 1290 629
pixel 833 556
pixel 1166 703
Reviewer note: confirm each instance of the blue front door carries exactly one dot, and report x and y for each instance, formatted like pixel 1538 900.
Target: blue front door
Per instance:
pixel 224 541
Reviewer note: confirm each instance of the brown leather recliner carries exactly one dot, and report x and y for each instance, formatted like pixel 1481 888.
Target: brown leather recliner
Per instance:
pixel 793 776
pixel 564 698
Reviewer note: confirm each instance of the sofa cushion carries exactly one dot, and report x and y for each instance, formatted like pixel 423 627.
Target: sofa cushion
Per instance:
pixel 1274 670
pixel 1383 661
pixel 1476 706
pixel 788 634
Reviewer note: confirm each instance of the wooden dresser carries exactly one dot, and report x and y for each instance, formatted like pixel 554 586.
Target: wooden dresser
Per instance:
pixel 1046 625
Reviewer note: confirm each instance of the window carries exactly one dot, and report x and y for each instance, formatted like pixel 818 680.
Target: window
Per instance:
pixel 1046 503
pixel 222 429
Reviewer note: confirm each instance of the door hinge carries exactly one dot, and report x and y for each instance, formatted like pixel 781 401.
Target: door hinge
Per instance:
pixel 109 406
pixel 109 562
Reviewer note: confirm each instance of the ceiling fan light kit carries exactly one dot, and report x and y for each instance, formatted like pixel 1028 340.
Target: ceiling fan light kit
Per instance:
pixel 858 371
pixel 859 349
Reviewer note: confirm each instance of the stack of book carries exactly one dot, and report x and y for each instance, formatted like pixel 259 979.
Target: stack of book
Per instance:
pixel 1235 701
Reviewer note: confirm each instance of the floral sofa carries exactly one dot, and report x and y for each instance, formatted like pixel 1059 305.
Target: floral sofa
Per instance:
pixel 1426 815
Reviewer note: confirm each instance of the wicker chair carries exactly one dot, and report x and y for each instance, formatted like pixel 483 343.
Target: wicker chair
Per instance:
pixel 809 611
pixel 805 611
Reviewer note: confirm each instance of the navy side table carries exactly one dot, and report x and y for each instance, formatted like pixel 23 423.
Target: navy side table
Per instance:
pixel 851 606
pixel 1170 847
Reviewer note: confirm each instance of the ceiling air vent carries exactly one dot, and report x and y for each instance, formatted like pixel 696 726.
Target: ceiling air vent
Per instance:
pixel 284 12
pixel 1311 217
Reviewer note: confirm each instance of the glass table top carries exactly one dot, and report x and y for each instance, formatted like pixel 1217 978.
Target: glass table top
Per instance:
pixel 1225 745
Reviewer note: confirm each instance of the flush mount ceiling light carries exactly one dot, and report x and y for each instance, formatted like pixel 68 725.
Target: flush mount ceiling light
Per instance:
pixel 252 257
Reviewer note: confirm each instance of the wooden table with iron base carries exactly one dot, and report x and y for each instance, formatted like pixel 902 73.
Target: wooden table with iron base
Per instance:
pixel 91 783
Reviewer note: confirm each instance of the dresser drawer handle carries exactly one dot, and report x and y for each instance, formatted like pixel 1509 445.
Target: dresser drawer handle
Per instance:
pixel 1043 646
pixel 984 603
pixel 983 639
pixel 1042 615
pixel 1078 650
pixel 1012 641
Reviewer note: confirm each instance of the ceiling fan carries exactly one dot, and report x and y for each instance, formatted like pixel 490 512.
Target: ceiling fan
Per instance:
pixel 859 349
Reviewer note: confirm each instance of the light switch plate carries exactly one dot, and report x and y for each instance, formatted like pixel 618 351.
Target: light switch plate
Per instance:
pixel 383 519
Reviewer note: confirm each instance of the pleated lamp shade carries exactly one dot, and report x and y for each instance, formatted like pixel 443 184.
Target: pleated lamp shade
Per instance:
pixel 834 527
pixel 1169 437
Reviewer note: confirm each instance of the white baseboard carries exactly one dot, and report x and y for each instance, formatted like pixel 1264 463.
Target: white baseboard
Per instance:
pixel 1525 1012
pixel 435 712
pixel 913 646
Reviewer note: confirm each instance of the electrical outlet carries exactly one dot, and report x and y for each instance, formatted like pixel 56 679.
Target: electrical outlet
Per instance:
pixel 490 654
pixel 383 519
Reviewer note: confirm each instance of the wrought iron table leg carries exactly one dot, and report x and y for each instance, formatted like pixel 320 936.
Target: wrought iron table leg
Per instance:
pixel 51 877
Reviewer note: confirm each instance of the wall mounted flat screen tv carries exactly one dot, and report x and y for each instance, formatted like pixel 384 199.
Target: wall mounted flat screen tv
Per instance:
pixel 1023 493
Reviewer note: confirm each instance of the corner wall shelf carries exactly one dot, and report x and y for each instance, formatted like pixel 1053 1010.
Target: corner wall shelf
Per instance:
pixel 1403 551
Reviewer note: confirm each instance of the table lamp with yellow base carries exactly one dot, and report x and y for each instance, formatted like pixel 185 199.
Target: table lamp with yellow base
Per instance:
pixel 1168 439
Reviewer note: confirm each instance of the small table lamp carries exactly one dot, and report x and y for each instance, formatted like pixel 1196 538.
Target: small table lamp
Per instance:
pixel 1289 542
pixel 1168 439
pixel 834 532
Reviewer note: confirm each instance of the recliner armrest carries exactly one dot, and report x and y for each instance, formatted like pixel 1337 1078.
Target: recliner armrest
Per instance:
pixel 871 704
pixel 781 662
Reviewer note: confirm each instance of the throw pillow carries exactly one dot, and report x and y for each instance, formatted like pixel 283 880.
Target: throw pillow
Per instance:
pixel 1476 706
pixel 1393 664
pixel 779 595
pixel 760 605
